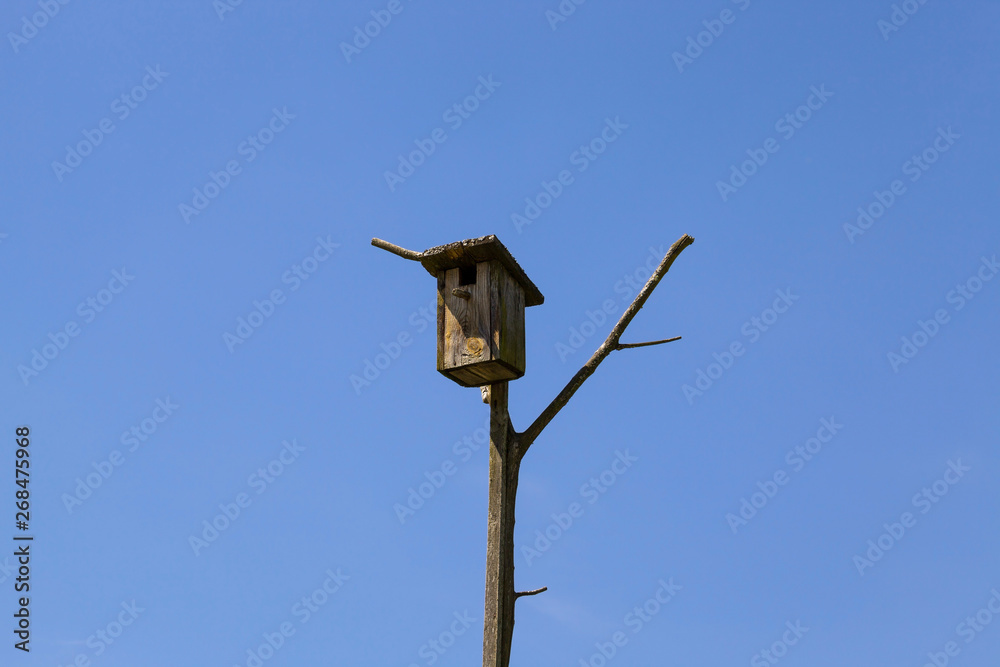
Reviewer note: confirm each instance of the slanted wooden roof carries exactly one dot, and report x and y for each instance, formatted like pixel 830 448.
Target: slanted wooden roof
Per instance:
pixel 472 251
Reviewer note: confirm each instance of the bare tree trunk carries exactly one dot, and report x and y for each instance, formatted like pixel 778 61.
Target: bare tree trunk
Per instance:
pixel 498 619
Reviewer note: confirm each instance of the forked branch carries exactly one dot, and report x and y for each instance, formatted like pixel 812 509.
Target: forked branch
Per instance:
pixel 607 347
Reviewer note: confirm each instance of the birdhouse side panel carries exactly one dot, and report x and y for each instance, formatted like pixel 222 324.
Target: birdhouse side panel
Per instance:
pixel 440 322
pixel 507 317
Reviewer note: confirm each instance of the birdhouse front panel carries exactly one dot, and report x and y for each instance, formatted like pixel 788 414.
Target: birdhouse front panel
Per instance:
pixel 480 324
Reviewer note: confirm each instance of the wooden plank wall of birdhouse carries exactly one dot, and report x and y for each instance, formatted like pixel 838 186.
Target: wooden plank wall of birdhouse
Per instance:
pixel 507 317
pixel 466 322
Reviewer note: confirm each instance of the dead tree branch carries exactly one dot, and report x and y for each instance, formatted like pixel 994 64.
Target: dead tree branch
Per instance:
pixel 628 346
pixel 607 347
pixel 396 250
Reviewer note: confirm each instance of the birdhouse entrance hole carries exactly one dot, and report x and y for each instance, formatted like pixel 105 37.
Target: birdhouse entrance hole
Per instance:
pixel 467 275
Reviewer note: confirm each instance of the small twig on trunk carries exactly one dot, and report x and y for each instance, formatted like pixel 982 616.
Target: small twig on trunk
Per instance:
pixel 606 348
pixel 534 592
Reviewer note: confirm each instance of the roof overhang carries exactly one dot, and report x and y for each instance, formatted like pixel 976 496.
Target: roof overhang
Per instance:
pixel 472 251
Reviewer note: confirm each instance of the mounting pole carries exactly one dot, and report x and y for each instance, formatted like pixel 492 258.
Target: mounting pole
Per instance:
pixel 505 461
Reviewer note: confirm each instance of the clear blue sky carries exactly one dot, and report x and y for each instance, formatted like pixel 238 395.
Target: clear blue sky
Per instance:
pixel 171 168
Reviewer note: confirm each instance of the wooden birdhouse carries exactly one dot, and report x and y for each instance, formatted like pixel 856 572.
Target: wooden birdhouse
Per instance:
pixel 482 294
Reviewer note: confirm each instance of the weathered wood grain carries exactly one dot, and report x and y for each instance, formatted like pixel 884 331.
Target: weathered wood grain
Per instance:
pixel 466 321
pixel 481 326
